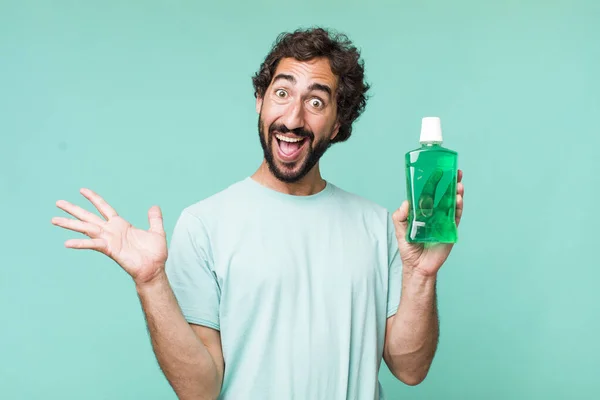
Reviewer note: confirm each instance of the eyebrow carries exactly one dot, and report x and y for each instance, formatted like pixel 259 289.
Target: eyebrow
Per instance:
pixel 314 86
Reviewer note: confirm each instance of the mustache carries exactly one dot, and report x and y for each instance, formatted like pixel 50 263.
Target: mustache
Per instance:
pixel 300 132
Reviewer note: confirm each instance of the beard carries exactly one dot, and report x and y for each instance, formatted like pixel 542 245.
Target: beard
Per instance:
pixel 293 171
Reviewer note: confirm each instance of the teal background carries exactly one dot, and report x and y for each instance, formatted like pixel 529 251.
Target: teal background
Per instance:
pixel 151 102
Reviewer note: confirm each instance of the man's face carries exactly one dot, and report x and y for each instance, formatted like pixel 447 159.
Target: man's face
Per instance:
pixel 297 117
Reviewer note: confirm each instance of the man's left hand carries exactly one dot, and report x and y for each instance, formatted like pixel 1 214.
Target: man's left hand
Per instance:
pixel 417 257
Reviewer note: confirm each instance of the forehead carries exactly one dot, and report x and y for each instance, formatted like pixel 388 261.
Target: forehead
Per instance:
pixel 310 71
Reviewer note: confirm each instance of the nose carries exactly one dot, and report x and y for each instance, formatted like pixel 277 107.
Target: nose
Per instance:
pixel 294 116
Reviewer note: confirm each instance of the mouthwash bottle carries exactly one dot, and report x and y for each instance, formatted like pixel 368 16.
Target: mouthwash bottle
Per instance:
pixel 431 177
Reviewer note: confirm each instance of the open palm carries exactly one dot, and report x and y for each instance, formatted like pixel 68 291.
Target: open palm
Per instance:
pixel 140 253
pixel 425 259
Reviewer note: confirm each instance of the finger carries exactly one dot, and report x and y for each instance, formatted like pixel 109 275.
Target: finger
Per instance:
pixel 86 244
pixel 101 205
pixel 79 212
pixel 401 214
pixel 445 203
pixel 460 189
pixel 155 219
pixel 78 226
pixel 427 197
pixel 460 176
pixel 400 219
pixel 459 208
pixel 432 182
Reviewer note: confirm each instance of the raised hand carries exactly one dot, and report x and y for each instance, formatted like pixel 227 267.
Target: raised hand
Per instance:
pixel 142 254
pixel 427 259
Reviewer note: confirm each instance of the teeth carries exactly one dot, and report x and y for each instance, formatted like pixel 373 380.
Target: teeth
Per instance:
pixel 288 139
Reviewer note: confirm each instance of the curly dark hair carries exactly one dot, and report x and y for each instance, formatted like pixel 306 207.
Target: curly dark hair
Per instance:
pixel 344 59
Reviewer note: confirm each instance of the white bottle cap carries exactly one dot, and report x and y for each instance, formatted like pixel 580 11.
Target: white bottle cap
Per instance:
pixel 431 130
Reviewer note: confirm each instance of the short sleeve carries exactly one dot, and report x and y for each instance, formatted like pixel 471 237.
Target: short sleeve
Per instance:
pixel 189 270
pixel 394 269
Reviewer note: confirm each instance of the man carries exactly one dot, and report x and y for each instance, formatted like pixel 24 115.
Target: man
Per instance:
pixel 283 285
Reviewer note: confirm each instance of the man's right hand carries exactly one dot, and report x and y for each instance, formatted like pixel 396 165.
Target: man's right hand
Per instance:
pixel 142 254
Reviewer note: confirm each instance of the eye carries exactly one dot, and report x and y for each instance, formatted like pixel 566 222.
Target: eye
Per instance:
pixel 280 93
pixel 316 103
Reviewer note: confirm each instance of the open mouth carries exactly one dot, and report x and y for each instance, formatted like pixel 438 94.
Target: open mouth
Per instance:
pixel 290 147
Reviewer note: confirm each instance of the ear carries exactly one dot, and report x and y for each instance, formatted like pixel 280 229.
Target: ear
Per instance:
pixel 336 130
pixel 259 102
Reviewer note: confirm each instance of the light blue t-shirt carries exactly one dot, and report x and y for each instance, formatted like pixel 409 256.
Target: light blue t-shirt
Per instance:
pixel 299 287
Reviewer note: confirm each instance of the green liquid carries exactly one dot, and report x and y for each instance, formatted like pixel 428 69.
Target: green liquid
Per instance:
pixel 431 175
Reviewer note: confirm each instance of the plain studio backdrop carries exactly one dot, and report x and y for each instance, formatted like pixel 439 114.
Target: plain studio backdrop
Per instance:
pixel 152 103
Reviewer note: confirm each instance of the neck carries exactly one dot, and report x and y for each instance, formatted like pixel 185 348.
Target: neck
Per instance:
pixel 310 184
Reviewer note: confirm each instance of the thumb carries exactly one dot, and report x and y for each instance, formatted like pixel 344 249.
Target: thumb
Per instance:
pixel 156 220
pixel 400 218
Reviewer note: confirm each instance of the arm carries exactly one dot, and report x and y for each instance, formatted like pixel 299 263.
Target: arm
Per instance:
pixel 190 356
pixel 412 333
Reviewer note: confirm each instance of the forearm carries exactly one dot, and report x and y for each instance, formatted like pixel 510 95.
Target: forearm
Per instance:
pixel 414 333
pixel 185 361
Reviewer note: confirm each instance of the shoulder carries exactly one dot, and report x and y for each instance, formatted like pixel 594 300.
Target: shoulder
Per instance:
pixel 358 205
pixel 222 202
pixel 358 202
